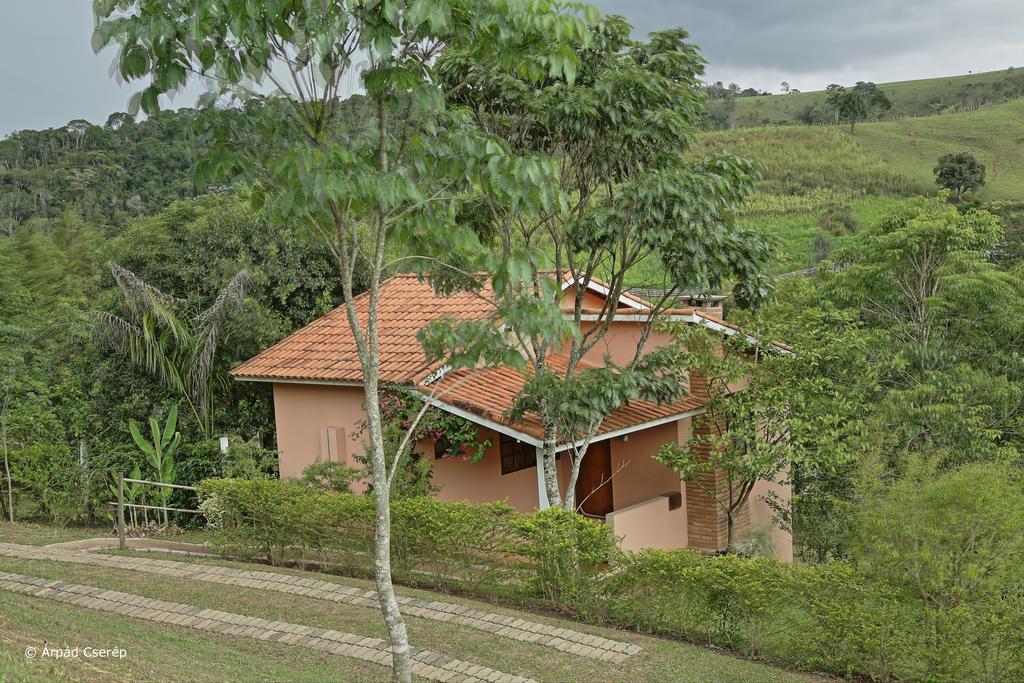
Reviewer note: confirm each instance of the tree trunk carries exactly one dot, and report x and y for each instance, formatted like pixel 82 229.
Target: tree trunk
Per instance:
pixel 7 462
pixel 400 656
pixel 401 664
pixel 728 531
pixel 551 467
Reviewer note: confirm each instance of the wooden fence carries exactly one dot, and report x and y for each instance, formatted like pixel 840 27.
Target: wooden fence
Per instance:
pixel 122 531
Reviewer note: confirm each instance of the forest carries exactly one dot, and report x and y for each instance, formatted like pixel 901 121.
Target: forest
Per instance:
pixel 78 200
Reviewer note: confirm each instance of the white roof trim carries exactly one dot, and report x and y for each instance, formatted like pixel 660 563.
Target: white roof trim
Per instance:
pixel 635 428
pixel 435 375
pixel 630 317
pixel 719 327
pixel 604 291
pixel 275 380
pixel 483 421
pixel 534 441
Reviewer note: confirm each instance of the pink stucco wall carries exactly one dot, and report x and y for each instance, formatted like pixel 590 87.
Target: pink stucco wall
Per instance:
pixel 637 476
pixel 302 411
pixel 620 341
pixel 761 515
pixel 483 482
pixel 650 524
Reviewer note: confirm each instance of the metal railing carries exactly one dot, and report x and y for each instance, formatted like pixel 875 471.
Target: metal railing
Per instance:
pixel 122 531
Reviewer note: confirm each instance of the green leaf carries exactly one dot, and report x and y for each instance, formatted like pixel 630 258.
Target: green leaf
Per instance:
pixel 150 101
pixel 170 425
pixel 143 445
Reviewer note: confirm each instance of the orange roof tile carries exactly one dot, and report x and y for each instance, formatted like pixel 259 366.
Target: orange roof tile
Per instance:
pixel 491 392
pixel 325 350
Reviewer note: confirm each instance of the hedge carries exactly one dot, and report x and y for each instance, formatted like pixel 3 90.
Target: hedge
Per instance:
pixel 547 555
pixel 822 617
pixel 815 617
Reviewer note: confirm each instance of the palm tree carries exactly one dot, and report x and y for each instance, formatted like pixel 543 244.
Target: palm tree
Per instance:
pixel 176 347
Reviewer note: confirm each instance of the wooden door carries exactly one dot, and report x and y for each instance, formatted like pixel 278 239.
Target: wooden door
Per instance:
pixel 594 486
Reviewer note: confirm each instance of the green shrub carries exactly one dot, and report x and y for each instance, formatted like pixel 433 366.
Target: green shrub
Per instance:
pixel 839 221
pixel 952 545
pixel 545 555
pixel 331 476
pixel 55 479
pixel 816 617
pixel 823 617
pixel 563 550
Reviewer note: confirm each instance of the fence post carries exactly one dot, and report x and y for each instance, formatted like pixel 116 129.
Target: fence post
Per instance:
pixel 120 512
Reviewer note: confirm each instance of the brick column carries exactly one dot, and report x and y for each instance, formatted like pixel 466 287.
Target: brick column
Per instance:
pixel 707 522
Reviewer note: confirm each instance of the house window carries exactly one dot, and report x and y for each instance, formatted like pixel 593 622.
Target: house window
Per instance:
pixel 516 455
pixel 441 447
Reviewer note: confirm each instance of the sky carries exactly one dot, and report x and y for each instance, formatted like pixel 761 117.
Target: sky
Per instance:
pixel 49 74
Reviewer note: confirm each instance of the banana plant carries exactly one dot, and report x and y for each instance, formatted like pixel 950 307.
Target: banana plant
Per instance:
pixel 160 453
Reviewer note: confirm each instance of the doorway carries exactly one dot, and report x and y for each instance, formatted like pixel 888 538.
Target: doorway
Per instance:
pixel 594 485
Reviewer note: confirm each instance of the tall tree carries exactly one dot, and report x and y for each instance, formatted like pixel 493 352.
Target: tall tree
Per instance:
pixel 622 133
pixel 397 172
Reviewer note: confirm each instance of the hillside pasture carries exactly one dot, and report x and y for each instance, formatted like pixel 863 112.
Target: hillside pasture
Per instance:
pixel 800 160
pixel 995 135
pixel 909 98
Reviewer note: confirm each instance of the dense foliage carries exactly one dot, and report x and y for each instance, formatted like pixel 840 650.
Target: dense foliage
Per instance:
pixel 108 173
pixel 959 173
pixel 826 617
pixel 67 394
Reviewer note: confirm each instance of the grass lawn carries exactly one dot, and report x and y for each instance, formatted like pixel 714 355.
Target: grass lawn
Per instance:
pixel 153 648
pixel 30 533
pixel 155 652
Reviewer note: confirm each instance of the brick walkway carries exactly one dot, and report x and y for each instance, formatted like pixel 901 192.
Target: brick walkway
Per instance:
pixel 565 640
pixel 430 665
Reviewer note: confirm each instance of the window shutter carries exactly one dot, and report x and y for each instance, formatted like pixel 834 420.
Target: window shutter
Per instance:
pixel 332 444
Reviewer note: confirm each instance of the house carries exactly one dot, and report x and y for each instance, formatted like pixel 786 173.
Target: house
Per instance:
pixel 318 403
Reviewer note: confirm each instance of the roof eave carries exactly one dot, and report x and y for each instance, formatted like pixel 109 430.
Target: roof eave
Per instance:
pixel 296 380
pixel 484 421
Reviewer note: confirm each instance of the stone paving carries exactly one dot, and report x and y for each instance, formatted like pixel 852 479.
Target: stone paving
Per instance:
pixel 564 640
pixel 427 664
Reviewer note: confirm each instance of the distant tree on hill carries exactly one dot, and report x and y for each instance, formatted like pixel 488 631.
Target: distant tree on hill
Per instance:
pixel 960 173
pixel 856 103
pixel 812 115
pixel 848 104
pixel 876 100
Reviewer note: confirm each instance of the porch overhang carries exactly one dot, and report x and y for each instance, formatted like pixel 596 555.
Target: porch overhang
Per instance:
pixel 533 440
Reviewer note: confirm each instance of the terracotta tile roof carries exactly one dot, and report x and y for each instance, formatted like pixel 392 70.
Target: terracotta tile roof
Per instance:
pixel 491 392
pixel 325 350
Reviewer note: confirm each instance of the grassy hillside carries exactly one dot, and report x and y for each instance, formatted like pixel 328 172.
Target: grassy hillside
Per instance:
pixel 812 170
pixel 920 97
pixel 995 135
pixel 805 160
pixel 887 157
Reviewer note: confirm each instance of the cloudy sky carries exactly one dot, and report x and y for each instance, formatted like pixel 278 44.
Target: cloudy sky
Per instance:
pixel 49 74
